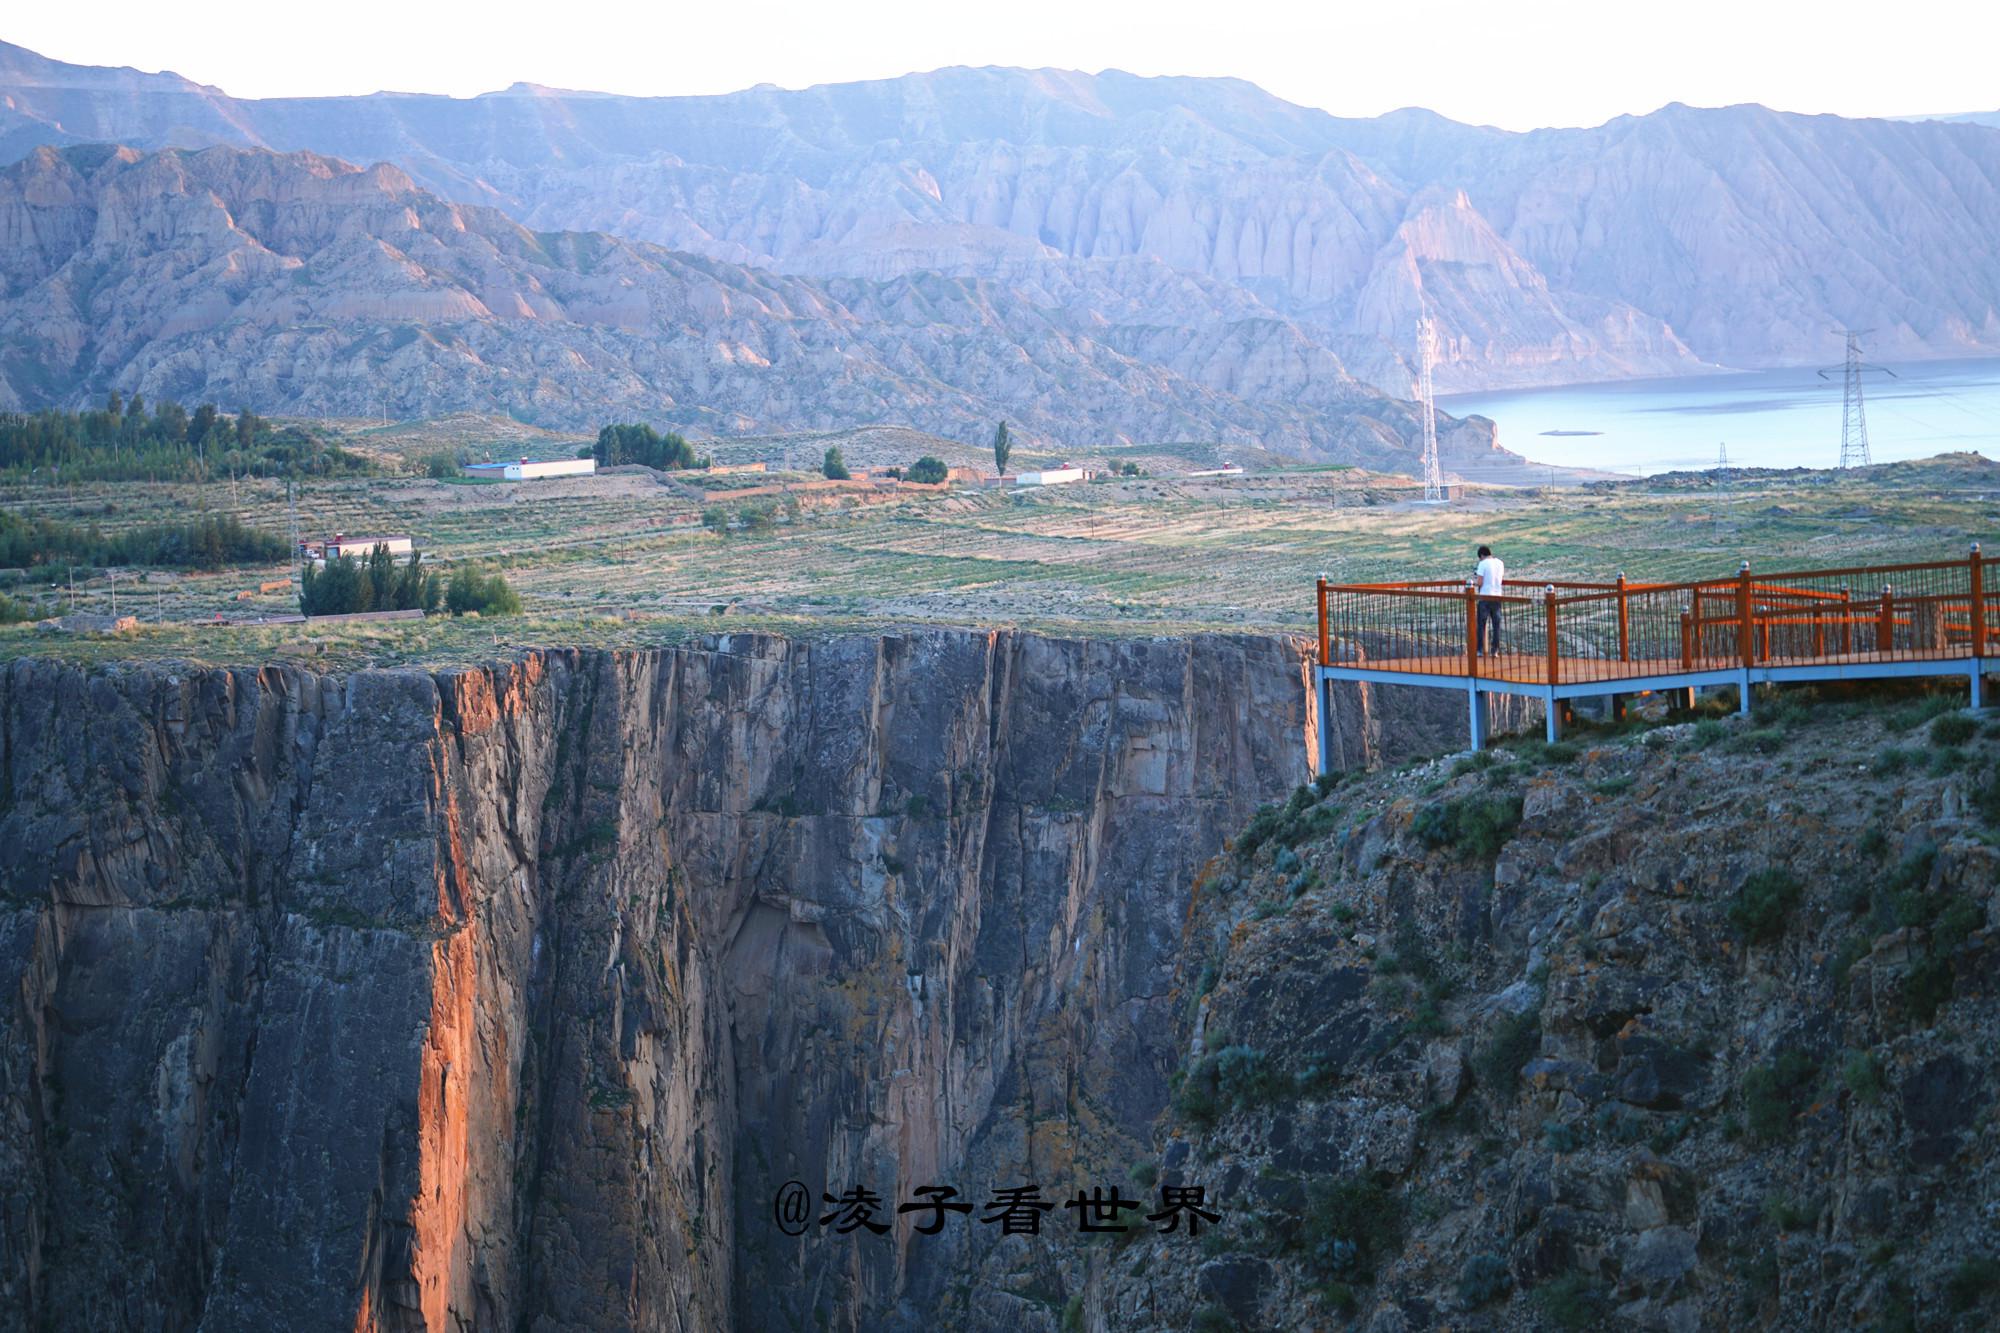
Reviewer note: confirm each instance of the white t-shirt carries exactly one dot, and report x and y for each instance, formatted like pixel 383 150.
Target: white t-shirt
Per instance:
pixel 1492 576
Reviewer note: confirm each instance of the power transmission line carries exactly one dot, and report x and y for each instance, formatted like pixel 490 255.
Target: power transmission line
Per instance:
pixel 1427 343
pixel 1853 413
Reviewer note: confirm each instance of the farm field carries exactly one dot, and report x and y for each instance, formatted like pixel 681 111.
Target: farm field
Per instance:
pixel 623 558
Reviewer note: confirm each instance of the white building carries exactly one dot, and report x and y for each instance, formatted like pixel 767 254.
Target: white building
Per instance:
pixel 1055 476
pixel 358 547
pixel 530 469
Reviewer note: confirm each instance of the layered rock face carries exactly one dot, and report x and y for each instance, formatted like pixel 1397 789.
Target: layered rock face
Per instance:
pixel 298 283
pixel 508 997
pixel 1649 245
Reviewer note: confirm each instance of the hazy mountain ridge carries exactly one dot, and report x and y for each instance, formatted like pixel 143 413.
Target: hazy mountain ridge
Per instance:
pixel 298 283
pixel 1648 245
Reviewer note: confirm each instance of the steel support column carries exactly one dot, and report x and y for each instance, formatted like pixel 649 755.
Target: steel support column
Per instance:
pixel 1325 699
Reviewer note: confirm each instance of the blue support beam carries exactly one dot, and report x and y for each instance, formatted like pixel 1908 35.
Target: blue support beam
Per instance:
pixel 1477 688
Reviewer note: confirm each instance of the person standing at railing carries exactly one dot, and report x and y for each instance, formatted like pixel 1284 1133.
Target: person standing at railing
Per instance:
pixel 1491 572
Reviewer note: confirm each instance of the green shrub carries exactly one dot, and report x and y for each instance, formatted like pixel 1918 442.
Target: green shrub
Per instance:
pixel 1926 986
pixel 1350 1226
pixel 1785 1215
pixel 440 467
pixel 1763 740
pixel 928 470
pixel 1986 796
pixel 1889 761
pixel 1483 1278
pixel 1234 1078
pixel 1516 1038
pixel 1476 762
pixel 833 467
pixel 1708 732
pixel 1762 902
pixel 488 594
pixel 1144 1174
pixel 1771 1094
pixel 1912 715
pixel 1972 1284
pixel 1572 1301
pixel 1852 950
pixel 1301 817
pixel 1863 1075
pixel 13 611
pixel 1560 1137
pixel 1214 1319
pixel 1476 827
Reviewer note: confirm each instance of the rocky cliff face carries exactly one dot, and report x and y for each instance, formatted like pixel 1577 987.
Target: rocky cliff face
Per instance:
pixel 1679 1031
pixel 507 997
pixel 296 283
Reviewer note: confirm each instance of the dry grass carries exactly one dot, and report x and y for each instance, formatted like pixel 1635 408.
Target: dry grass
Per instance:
pixel 619 559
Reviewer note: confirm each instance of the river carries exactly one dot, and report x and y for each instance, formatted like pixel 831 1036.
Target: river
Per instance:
pixel 1765 418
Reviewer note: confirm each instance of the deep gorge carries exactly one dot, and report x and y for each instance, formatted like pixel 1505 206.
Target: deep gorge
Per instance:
pixel 506 997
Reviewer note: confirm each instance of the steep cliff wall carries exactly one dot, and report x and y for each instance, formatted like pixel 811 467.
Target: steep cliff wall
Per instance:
pixel 506 997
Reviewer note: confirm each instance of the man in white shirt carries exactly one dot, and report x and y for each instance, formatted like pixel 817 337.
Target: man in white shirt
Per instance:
pixel 1492 575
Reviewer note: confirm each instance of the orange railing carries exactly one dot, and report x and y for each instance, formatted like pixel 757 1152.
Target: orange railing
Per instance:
pixel 1567 632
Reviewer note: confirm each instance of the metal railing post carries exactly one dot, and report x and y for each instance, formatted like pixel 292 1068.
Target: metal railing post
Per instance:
pixel 1976 572
pixel 1472 629
pixel 1555 668
pixel 1846 621
pixel 1325 640
pixel 1885 623
pixel 1745 642
pixel 1687 642
pixel 1555 651
pixel 1624 623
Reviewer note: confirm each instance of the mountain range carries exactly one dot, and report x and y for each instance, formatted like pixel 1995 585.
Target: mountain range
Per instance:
pixel 1224 239
pixel 302 284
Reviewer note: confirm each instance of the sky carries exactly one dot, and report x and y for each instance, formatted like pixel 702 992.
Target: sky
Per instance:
pixel 1517 65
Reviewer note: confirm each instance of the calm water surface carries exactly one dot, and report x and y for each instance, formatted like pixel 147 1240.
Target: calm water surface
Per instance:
pixel 1767 418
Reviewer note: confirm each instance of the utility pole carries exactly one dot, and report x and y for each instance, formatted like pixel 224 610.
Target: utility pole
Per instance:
pixel 292 508
pixel 1853 414
pixel 1722 456
pixel 1427 342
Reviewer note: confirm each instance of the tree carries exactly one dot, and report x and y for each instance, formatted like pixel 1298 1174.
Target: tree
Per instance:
pixel 833 467
pixel 203 423
pixel 639 443
pixel 336 589
pixel 114 404
pixel 382 578
pixel 1003 448
pixel 927 470
pixel 416 588
pixel 247 426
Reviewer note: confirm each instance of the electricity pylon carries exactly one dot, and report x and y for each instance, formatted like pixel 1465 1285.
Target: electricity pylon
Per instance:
pixel 1427 342
pixel 1853 413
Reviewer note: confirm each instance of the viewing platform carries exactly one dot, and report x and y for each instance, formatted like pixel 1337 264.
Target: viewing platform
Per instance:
pixel 1564 641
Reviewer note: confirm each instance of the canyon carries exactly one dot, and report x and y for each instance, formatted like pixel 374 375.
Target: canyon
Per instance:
pixel 508 996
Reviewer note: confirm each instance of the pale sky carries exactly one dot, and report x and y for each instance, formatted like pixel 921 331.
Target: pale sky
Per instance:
pixel 1517 65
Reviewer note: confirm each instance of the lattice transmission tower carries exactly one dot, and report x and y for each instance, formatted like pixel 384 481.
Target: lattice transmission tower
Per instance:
pixel 1427 345
pixel 1853 412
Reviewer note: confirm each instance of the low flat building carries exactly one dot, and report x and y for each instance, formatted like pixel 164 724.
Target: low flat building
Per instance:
pixel 530 469
pixel 1055 476
pixel 359 548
